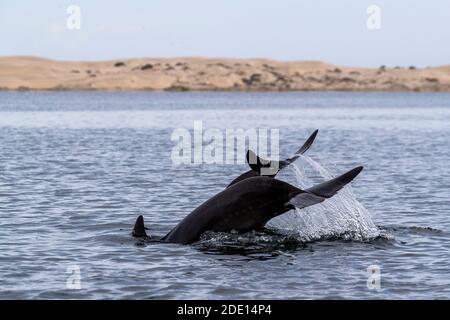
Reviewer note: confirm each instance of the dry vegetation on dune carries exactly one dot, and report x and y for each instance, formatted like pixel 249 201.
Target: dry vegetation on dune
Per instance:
pixel 180 74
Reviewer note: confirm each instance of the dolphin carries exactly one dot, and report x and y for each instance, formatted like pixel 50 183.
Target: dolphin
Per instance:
pixel 248 205
pixel 270 168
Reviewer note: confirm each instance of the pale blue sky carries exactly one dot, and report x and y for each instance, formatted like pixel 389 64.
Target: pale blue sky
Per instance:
pixel 413 32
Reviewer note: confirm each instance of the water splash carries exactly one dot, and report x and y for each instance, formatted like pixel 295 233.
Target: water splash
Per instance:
pixel 339 217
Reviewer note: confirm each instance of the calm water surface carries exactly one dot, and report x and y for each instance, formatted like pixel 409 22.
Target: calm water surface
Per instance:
pixel 76 168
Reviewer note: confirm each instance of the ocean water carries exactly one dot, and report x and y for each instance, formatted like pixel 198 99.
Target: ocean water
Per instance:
pixel 77 168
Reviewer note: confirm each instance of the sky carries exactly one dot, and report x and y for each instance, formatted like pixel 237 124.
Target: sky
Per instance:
pixel 412 32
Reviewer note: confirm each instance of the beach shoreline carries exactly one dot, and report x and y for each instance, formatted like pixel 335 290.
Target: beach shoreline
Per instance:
pixel 211 74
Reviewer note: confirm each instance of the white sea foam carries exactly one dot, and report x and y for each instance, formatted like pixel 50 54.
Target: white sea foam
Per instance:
pixel 341 216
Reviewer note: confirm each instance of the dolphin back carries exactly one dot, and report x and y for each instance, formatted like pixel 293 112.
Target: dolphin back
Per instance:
pixel 247 205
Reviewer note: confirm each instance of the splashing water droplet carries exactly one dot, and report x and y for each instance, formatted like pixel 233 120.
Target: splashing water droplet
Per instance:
pixel 342 216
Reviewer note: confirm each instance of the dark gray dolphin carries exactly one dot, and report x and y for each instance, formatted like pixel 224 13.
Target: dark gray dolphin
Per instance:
pixel 270 168
pixel 249 205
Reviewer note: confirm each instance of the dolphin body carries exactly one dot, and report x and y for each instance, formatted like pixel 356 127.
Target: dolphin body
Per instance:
pixel 248 205
pixel 270 168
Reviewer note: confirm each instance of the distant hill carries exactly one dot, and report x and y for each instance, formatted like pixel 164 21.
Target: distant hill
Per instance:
pixel 180 74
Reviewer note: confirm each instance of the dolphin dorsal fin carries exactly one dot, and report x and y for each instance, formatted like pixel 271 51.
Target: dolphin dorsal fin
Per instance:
pixel 139 228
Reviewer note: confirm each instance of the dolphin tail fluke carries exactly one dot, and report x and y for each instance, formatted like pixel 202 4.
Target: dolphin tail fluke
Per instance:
pixel 272 167
pixel 139 228
pixel 258 164
pixel 323 191
pixel 308 143
pixel 300 151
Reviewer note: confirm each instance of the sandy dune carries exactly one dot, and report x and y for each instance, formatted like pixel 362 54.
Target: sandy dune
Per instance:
pixel 30 73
